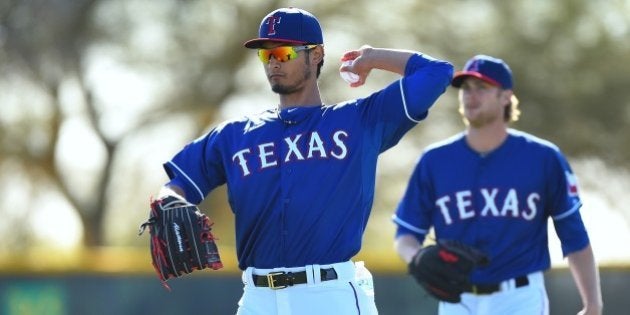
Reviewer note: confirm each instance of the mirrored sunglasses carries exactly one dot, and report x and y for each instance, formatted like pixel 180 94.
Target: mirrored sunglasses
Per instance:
pixel 282 53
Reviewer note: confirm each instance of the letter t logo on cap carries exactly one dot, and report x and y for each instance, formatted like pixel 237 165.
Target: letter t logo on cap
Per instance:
pixel 271 22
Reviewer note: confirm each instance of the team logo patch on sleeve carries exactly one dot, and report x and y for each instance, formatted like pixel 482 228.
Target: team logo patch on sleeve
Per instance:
pixel 571 184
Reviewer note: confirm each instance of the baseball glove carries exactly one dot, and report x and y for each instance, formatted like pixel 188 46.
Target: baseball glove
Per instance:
pixel 181 241
pixel 444 269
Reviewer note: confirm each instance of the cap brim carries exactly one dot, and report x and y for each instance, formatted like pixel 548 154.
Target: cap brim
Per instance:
pixel 459 77
pixel 258 42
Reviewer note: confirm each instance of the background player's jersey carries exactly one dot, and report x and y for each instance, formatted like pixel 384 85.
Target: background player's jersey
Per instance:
pixel 301 181
pixel 499 202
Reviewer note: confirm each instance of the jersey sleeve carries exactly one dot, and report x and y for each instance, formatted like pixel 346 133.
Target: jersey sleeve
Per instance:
pixel 198 167
pixel 414 212
pixel 565 205
pixel 396 109
pixel 426 78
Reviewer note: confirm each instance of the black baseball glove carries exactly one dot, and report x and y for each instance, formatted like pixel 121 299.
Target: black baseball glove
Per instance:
pixel 444 269
pixel 181 241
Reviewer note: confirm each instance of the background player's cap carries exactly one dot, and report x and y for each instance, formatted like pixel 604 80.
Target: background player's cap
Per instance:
pixel 288 25
pixel 492 70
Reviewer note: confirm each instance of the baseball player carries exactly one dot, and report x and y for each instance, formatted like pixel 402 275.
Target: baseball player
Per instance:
pixel 300 175
pixel 494 188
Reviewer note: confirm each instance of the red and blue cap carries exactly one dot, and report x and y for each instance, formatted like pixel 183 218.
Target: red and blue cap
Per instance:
pixel 288 25
pixel 492 70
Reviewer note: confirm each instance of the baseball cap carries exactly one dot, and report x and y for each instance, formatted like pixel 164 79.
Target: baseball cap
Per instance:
pixel 288 25
pixel 492 70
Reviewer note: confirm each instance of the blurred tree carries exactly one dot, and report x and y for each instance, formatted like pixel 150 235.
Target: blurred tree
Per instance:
pixel 42 45
pixel 50 45
pixel 96 94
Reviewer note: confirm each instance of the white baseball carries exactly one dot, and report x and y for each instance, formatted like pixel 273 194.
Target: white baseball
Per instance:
pixel 348 76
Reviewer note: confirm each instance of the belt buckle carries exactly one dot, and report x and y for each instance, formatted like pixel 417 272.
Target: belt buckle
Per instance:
pixel 474 290
pixel 272 282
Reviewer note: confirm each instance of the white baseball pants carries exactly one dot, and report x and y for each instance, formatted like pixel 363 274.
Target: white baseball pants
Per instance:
pixel 352 293
pixel 527 300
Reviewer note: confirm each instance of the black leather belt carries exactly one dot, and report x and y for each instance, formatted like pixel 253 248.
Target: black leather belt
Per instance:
pixel 496 287
pixel 281 280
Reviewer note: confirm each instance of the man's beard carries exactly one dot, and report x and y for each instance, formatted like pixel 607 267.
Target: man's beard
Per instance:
pixel 290 89
pixel 483 119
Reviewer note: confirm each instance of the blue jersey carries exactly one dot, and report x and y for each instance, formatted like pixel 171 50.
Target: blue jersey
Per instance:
pixel 300 181
pixel 499 202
